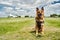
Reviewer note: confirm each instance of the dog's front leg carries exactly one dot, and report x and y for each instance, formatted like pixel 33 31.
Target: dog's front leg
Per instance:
pixel 36 31
pixel 42 28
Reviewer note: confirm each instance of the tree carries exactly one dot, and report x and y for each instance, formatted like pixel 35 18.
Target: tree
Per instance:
pixel 26 16
pixel 19 16
pixel 58 15
pixel 53 15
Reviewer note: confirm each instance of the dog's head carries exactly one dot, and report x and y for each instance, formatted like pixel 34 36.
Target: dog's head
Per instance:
pixel 40 13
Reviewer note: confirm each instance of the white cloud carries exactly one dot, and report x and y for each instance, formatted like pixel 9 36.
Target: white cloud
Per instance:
pixel 50 9
pixel 28 5
pixel 6 3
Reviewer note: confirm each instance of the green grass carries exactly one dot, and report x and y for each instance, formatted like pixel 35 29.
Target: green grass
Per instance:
pixel 20 29
pixel 53 22
pixel 12 24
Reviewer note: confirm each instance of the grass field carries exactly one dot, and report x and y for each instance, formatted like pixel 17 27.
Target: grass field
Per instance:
pixel 21 29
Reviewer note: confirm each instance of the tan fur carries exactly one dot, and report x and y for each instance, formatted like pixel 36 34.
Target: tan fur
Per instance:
pixel 41 19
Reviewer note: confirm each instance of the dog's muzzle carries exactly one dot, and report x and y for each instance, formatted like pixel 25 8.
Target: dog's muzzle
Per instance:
pixel 39 15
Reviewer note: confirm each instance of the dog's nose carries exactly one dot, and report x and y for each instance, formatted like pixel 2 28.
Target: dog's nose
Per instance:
pixel 40 16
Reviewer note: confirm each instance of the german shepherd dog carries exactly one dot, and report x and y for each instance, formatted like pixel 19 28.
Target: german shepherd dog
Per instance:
pixel 39 21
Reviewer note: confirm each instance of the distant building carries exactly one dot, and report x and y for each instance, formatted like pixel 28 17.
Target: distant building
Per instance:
pixel 22 15
pixel 12 15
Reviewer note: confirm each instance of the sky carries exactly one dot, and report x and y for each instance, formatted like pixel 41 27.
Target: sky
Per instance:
pixel 28 7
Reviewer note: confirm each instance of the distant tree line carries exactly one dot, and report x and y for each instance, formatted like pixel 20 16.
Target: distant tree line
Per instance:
pixel 54 15
pixel 26 16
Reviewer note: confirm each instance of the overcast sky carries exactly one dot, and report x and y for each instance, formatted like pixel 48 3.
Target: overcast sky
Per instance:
pixel 27 7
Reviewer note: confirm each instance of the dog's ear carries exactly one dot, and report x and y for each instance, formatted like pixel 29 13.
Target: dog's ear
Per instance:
pixel 42 8
pixel 37 9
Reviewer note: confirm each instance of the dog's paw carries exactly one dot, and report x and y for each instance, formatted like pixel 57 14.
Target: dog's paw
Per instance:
pixel 36 34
